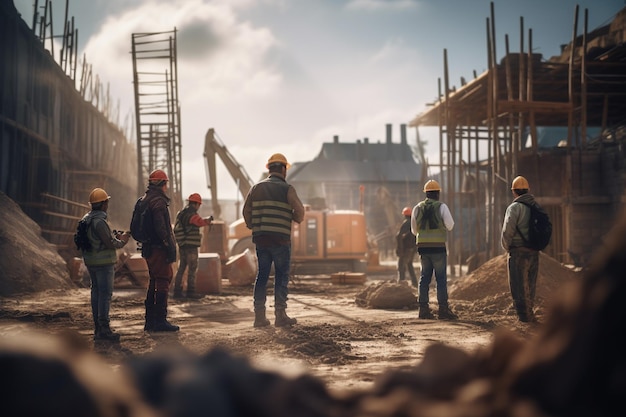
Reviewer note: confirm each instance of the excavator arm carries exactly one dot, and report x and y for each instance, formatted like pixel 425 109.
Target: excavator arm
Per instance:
pixel 212 147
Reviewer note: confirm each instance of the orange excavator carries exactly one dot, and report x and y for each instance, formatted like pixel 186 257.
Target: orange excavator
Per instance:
pixel 326 241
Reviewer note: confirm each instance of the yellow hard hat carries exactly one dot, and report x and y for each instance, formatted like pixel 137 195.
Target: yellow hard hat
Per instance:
pixel 431 185
pixel 520 183
pixel 277 158
pixel 98 195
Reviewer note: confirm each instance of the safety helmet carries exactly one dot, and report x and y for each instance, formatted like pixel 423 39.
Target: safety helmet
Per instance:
pixel 277 158
pixel 520 183
pixel 407 211
pixel 157 176
pixel 431 185
pixel 195 198
pixel 98 195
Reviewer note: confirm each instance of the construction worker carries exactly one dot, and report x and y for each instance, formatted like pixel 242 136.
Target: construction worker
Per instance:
pixel 405 248
pixel 522 261
pixel 159 252
pixel 270 207
pixel 188 239
pixel 100 259
pixel 431 221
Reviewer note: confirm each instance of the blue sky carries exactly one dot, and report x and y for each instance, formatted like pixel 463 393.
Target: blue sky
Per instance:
pixel 286 75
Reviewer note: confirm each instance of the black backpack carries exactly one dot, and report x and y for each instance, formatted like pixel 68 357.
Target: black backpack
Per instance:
pixel 539 227
pixel 81 240
pixel 142 217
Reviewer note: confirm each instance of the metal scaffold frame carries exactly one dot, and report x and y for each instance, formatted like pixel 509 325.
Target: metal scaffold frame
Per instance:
pixel 155 79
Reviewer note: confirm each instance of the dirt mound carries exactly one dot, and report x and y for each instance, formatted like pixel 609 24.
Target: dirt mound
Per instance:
pixel 387 295
pixel 29 263
pixel 487 288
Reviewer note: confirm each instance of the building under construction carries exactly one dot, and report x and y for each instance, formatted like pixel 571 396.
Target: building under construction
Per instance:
pixel 59 137
pixel 561 123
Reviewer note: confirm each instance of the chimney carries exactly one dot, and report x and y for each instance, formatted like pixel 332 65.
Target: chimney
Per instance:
pixel 388 126
pixel 403 133
pixel 336 139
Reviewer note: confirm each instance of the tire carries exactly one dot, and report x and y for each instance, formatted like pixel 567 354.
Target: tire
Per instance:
pixel 241 245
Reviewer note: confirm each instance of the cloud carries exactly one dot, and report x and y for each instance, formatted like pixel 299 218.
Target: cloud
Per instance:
pixel 381 5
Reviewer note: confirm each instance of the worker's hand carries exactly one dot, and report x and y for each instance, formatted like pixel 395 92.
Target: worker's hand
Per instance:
pixel 208 220
pixel 124 237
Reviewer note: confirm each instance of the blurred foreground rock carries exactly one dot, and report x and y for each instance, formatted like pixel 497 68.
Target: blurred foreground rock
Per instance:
pixel 574 366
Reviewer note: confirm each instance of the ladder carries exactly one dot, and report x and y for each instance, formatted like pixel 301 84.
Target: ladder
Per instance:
pixel 155 79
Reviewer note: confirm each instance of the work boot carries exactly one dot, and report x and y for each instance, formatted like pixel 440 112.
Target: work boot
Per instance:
pixel 424 312
pixel 165 326
pixel 105 333
pixel 259 318
pixel 149 317
pixel 282 319
pixel 194 295
pixel 160 314
pixel 446 314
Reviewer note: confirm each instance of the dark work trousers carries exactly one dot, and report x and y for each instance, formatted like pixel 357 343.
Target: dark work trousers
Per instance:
pixel 523 264
pixel 405 263
pixel 189 261
pixel 158 288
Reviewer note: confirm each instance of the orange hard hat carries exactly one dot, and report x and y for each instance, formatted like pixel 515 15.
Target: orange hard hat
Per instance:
pixel 158 175
pixel 520 183
pixel 195 198
pixel 98 195
pixel 407 211
pixel 277 158
pixel 431 185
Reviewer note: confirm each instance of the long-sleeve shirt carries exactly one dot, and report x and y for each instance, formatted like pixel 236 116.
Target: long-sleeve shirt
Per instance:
pixel 516 220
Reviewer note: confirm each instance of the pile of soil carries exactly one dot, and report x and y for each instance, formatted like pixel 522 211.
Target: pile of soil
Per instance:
pixel 486 290
pixel 29 263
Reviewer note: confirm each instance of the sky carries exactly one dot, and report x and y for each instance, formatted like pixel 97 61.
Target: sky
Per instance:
pixel 288 75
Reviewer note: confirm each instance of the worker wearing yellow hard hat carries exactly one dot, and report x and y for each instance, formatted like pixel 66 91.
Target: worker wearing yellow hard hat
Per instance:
pixel 270 207
pixel 431 221
pixel 522 260
pixel 98 247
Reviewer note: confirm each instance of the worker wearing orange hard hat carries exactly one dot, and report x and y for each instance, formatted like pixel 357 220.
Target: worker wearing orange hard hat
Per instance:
pixel 269 209
pixel 188 239
pixel 431 221
pixel 158 247
pixel 406 248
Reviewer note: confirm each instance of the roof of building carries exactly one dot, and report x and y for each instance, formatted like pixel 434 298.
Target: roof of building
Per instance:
pixel 359 162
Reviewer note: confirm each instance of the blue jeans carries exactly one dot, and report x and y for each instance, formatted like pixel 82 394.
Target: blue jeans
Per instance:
pixel 280 256
pixel 101 292
pixel 437 263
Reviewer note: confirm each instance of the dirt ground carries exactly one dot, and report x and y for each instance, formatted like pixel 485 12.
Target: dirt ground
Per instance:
pixel 356 350
pixel 342 343
pixel 340 337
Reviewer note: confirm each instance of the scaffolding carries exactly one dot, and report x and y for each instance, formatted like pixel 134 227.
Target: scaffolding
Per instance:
pixel 155 79
pixel 490 129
